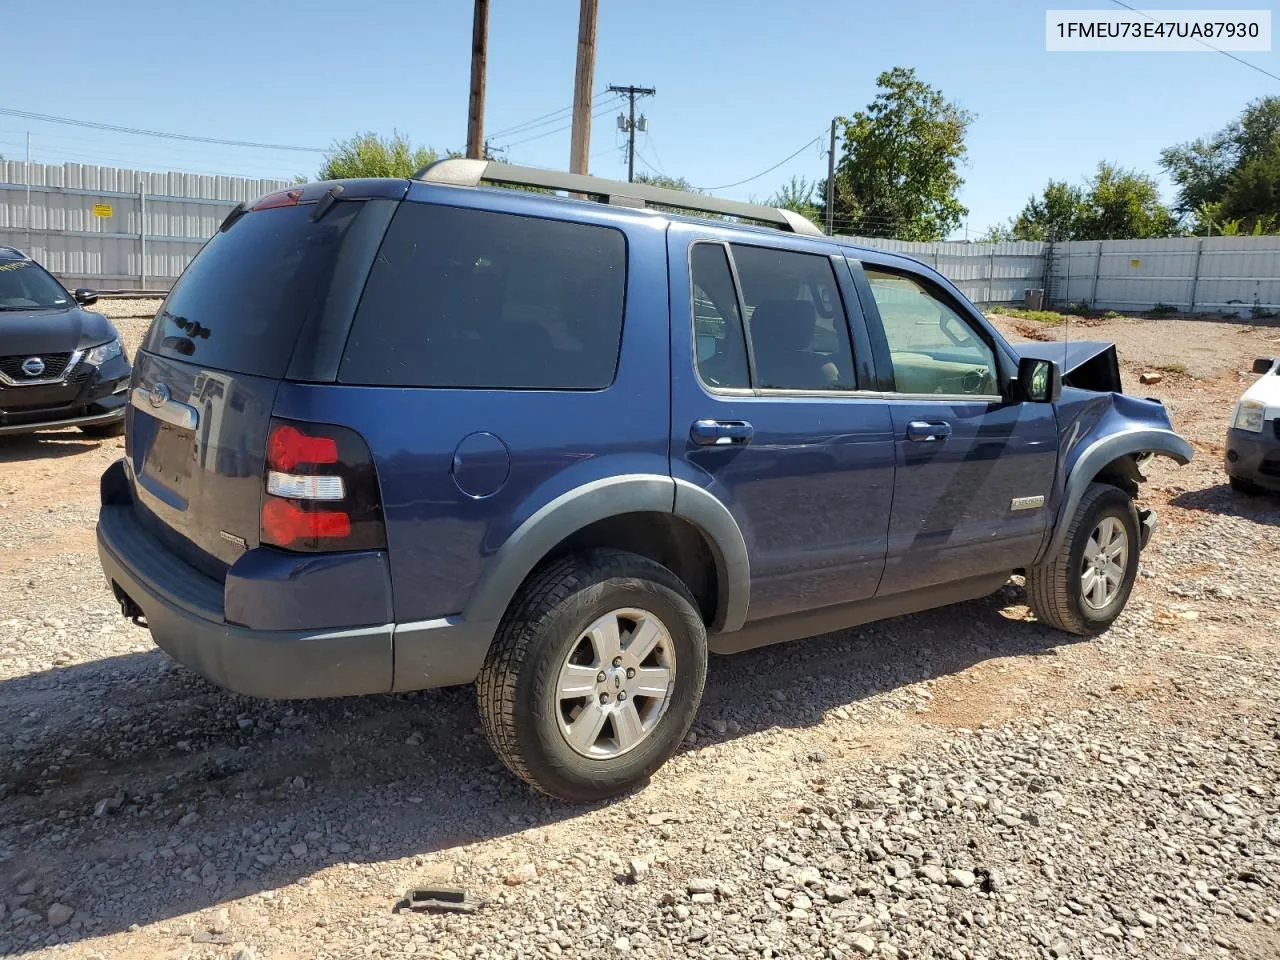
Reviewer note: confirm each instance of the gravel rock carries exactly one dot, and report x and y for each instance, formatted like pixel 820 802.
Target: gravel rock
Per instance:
pixel 960 878
pixel 59 914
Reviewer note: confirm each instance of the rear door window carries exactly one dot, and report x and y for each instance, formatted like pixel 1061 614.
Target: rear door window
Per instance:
pixel 469 298
pixel 241 303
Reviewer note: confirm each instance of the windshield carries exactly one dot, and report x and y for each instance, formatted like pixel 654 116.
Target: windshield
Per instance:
pixel 26 286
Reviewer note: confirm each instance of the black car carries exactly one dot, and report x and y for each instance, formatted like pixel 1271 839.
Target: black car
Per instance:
pixel 60 365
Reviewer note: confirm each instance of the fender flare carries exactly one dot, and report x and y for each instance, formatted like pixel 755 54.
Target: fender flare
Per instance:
pixel 1096 456
pixel 610 497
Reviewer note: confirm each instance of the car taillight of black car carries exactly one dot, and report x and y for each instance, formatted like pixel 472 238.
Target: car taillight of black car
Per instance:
pixel 320 490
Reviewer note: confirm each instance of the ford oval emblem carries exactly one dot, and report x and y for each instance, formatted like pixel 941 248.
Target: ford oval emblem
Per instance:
pixel 158 395
pixel 33 366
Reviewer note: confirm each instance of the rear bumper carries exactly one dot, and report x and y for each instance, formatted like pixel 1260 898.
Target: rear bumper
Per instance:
pixel 186 613
pixel 1254 456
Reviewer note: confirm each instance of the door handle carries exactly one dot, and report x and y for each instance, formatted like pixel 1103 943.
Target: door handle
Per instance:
pixel 710 433
pixel 924 431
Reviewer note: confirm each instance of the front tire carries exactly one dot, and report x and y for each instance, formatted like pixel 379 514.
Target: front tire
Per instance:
pixel 1086 585
pixel 594 676
pixel 1247 487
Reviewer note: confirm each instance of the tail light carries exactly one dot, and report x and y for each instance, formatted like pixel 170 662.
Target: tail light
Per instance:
pixel 320 490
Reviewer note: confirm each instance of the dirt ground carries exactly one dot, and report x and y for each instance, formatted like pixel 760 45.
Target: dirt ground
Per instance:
pixel 1113 797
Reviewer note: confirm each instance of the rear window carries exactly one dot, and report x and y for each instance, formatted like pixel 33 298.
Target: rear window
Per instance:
pixel 242 302
pixel 470 298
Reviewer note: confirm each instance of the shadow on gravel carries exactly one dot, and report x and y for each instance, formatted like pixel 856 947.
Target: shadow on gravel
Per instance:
pixel 220 796
pixel 1221 499
pixel 45 445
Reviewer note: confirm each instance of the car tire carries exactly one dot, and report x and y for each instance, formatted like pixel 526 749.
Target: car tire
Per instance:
pixel 1073 590
pixel 1247 487
pixel 549 648
pixel 103 431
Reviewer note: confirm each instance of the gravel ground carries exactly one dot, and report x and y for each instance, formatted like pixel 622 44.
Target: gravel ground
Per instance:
pixel 958 784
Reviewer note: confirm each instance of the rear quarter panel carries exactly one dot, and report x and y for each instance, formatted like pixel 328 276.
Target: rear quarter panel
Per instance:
pixel 441 541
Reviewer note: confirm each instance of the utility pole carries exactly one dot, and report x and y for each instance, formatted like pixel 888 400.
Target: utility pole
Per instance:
pixel 831 180
pixel 629 123
pixel 475 109
pixel 583 78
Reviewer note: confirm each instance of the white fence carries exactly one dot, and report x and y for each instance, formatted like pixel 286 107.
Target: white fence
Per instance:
pixel 1236 275
pixel 111 228
pixel 124 229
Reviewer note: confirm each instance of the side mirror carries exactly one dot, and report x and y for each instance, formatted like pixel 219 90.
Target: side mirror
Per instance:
pixel 1264 364
pixel 1039 381
pixel 86 297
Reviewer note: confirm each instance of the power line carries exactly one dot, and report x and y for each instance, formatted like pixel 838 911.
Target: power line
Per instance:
pixel 1225 53
pixel 553 116
pixel 547 133
pixel 141 132
pixel 726 186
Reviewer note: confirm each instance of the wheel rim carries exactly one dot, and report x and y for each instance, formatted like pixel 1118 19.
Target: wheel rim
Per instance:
pixel 615 684
pixel 1106 557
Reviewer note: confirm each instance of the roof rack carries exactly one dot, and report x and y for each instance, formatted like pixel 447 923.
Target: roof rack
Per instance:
pixel 472 173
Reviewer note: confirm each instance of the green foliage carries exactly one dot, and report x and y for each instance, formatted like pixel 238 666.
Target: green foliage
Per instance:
pixel 1057 214
pixel 798 195
pixel 368 155
pixel 898 174
pixel 1231 174
pixel 1050 317
pixel 1113 204
pixel 662 180
pixel 1080 308
pixel 1163 310
pixel 1113 315
pixel 996 233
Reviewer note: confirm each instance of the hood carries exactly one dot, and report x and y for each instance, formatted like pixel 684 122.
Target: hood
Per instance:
pixel 1085 364
pixel 1267 392
pixel 52 331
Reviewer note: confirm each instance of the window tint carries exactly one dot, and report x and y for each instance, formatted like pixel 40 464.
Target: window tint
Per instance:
pixel 469 298
pixel 799 337
pixel 933 348
pixel 241 303
pixel 717 325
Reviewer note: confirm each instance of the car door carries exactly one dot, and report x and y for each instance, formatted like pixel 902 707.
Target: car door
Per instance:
pixel 767 414
pixel 975 471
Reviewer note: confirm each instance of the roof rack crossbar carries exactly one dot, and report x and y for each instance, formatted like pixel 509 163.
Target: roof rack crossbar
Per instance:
pixel 471 173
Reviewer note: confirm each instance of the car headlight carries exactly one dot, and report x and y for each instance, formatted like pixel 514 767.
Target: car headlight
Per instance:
pixel 1249 416
pixel 109 351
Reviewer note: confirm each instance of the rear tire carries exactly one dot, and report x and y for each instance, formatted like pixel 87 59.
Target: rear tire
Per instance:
pixel 548 647
pixel 1085 586
pixel 102 431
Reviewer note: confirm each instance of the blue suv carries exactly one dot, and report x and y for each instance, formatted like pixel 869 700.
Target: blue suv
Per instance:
pixel 386 435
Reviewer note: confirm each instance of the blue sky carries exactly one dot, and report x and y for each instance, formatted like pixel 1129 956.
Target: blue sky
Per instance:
pixel 740 85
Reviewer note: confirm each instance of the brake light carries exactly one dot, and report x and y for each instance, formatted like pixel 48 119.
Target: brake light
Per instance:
pixel 288 446
pixel 282 198
pixel 320 490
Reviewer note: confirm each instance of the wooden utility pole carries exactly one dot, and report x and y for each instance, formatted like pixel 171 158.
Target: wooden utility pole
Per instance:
pixel 831 180
pixel 475 110
pixel 583 77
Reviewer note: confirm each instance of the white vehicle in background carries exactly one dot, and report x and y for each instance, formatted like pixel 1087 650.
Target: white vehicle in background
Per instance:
pixel 1253 440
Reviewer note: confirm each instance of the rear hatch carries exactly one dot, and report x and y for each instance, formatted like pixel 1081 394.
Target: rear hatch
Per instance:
pixel 269 297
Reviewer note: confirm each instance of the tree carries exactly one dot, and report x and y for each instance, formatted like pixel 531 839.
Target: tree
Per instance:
pixel 898 173
pixel 1204 169
pixel 798 195
pixel 1251 201
pixel 662 180
pixel 1056 214
pixel 368 155
pixel 1113 204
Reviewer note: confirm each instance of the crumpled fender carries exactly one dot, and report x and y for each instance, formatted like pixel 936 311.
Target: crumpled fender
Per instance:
pixel 1106 443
